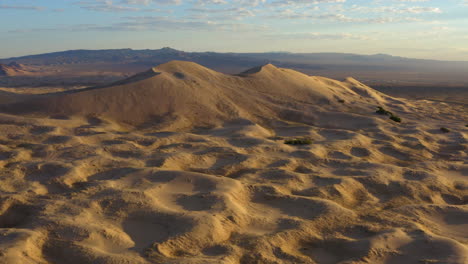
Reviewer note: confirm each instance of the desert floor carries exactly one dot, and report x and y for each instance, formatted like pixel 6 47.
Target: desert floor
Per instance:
pixel 89 190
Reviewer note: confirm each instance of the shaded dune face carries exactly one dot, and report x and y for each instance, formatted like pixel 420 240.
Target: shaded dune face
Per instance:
pixel 186 95
pixel 181 164
pixel 12 69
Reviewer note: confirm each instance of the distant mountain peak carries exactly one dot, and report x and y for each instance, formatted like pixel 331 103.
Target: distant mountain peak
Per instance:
pixel 169 49
pixel 280 52
pixel 383 54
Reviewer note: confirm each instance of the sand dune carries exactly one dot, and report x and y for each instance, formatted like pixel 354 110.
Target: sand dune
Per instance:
pixel 182 164
pixel 13 69
pixel 186 95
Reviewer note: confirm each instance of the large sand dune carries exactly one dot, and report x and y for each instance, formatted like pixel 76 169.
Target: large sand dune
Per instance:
pixel 186 95
pixel 182 164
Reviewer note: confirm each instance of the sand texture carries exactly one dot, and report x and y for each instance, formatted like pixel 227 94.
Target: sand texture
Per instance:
pixel 182 164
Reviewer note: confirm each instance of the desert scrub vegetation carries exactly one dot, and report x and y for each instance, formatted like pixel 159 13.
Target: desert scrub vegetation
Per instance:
pixel 298 141
pixel 444 129
pixel 382 111
pixel 395 118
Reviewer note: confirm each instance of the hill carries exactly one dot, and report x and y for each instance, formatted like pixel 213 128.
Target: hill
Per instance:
pixel 183 94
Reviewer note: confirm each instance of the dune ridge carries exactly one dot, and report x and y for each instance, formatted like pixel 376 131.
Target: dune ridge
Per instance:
pixel 182 164
pixel 188 95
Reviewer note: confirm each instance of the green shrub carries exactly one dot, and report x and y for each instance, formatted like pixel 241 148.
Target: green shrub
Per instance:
pixel 395 118
pixel 444 129
pixel 382 111
pixel 298 141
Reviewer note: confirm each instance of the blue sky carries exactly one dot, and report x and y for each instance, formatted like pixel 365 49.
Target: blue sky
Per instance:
pixel 435 29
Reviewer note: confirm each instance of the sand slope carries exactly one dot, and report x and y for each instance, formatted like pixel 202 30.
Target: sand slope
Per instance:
pixel 185 165
pixel 186 95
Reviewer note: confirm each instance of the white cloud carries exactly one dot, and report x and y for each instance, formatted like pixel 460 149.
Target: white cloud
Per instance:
pixel 320 36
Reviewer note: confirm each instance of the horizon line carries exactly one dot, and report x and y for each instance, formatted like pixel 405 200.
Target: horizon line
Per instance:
pixel 231 52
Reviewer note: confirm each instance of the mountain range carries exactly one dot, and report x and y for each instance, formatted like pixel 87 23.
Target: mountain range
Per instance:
pixel 95 67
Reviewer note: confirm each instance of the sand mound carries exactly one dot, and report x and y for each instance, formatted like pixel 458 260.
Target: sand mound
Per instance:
pixel 184 95
pixel 13 69
pixel 77 185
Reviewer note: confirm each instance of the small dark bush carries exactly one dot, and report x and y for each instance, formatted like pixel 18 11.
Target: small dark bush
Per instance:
pixel 395 118
pixel 275 138
pixel 382 111
pixel 444 129
pixel 298 141
pixel 341 101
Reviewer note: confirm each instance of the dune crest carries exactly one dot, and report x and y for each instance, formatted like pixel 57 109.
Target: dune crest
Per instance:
pixel 194 96
pixel 265 69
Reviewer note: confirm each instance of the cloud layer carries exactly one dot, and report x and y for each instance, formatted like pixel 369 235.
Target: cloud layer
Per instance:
pixel 313 22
